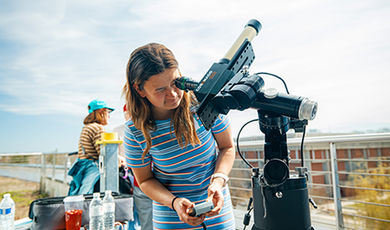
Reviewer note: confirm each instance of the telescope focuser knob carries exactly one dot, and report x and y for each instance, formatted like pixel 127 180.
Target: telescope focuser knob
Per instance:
pixel 270 93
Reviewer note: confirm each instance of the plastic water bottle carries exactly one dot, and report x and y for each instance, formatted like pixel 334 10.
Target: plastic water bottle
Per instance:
pixel 1 219
pixel 7 210
pixel 96 213
pixel 109 211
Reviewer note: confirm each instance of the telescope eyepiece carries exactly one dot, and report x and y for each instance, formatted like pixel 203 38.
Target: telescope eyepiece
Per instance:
pixel 185 83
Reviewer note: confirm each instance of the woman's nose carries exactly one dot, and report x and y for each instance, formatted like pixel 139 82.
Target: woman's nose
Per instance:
pixel 172 91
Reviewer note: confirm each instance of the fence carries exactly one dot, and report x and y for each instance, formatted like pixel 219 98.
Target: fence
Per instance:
pixel 49 169
pixel 349 176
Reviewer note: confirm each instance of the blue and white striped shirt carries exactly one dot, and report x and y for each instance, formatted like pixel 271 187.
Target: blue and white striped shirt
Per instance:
pixel 186 172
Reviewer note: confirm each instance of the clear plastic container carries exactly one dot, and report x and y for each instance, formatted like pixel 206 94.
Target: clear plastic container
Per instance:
pixel 96 213
pixel 73 212
pixel 7 217
pixel 109 210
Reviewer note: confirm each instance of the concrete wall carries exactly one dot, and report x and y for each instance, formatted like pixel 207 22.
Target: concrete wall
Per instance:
pixel 53 187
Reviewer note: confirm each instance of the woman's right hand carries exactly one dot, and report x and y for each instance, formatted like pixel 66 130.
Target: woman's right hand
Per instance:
pixel 183 207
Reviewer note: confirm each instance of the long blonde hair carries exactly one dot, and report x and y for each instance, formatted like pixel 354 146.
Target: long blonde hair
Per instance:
pixel 144 62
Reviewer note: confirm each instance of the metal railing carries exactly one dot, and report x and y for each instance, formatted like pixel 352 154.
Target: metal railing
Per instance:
pixel 48 169
pixel 349 177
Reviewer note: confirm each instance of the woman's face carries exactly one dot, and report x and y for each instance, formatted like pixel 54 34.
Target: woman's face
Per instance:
pixel 106 116
pixel 162 93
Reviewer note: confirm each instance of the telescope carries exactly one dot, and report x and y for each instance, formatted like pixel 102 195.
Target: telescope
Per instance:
pixel 280 200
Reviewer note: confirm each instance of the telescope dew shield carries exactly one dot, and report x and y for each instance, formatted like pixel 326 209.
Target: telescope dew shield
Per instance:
pixel 307 109
pixel 251 29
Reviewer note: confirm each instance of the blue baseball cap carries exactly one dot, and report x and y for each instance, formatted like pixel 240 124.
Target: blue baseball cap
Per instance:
pixel 98 104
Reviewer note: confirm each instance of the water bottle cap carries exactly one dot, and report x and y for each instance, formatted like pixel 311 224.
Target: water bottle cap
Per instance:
pixel 96 195
pixel 7 195
pixel 74 198
pixel 108 192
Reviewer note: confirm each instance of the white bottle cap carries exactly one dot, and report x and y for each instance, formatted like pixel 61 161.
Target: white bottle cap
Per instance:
pixel 96 195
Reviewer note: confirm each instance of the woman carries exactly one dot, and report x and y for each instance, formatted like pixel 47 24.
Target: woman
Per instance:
pixel 174 158
pixel 85 172
pixel 98 116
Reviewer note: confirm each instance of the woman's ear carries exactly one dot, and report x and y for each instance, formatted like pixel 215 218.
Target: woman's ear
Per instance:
pixel 138 90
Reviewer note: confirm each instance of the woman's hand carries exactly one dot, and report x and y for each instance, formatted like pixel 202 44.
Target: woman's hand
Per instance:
pixel 216 196
pixel 183 207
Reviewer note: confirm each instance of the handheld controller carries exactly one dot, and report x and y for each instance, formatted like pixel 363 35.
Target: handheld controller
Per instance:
pixel 201 208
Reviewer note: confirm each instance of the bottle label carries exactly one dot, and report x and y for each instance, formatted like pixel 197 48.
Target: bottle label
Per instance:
pixel 7 211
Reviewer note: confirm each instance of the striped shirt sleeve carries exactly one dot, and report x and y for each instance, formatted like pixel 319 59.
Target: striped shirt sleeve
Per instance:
pixel 134 150
pixel 220 124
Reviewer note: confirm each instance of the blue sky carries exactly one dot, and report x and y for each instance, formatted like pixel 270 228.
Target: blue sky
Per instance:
pixel 56 56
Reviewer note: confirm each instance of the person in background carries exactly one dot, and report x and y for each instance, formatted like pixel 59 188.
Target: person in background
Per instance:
pixel 174 158
pixel 143 204
pixel 85 171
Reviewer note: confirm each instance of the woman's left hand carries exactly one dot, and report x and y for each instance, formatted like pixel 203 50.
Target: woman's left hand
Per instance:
pixel 216 196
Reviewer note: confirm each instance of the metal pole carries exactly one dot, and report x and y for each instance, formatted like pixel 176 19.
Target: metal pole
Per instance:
pixel 336 188
pixel 43 174
pixel 53 177
pixel 65 181
pixel 102 167
pixel 307 162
